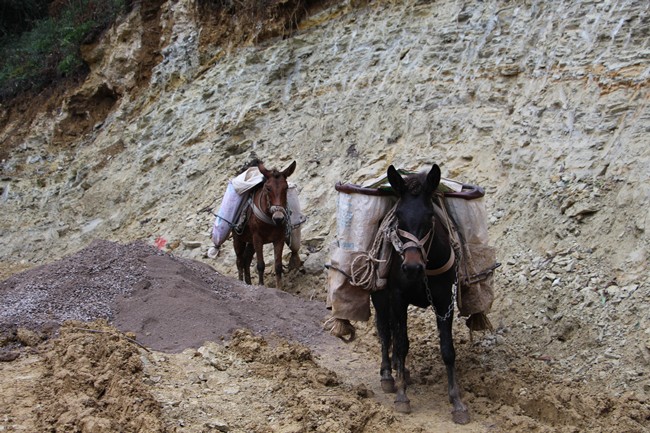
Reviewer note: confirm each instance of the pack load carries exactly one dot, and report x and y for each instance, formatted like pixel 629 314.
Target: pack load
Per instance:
pixel 359 212
pixel 231 214
pixel 360 255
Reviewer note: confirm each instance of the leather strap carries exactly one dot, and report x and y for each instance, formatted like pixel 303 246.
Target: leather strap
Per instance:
pixel 415 242
pixel 444 268
pixel 261 215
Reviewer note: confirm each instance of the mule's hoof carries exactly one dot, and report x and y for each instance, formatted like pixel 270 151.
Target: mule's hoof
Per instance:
pixel 460 416
pixel 403 406
pixel 388 386
pixel 294 261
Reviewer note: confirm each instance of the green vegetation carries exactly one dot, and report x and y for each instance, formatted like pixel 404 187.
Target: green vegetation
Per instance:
pixel 40 39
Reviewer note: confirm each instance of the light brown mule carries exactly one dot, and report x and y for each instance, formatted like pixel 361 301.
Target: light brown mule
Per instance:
pixel 267 222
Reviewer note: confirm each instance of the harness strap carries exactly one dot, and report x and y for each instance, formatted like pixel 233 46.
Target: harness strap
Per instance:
pixel 415 242
pixel 444 268
pixel 261 215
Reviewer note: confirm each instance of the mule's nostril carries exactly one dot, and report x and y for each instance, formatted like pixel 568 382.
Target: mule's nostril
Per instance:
pixel 412 268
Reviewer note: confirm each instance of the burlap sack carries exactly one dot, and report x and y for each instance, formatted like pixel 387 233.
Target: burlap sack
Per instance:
pixel 358 217
pixel 344 299
pixel 477 260
pixel 297 218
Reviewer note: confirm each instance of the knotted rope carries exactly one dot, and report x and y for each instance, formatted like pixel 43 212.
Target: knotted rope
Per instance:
pixel 364 266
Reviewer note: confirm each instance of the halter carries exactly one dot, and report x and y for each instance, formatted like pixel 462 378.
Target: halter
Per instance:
pixel 414 242
pixel 263 216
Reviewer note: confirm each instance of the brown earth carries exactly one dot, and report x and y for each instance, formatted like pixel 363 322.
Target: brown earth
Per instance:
pixel 188 349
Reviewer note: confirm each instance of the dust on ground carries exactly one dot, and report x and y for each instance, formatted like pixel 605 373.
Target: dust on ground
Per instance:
pixel 153 342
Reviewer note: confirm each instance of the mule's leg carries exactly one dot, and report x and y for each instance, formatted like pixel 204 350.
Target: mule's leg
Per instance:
pixel 460 414
pixel 246 261
pixel 259 252
pixel 278 246
pixel 294 261
pixel 400 350
pixel 381 302
pixel 239 247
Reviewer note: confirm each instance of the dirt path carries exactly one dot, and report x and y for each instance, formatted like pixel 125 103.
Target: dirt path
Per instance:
pixel 191 350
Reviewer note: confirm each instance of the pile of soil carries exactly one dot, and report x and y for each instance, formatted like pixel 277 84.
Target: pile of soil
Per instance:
pixel 170 303
pixel 145 341
pixel 81 389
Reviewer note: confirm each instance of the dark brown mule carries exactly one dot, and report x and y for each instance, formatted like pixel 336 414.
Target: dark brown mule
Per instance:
pixel 267 222
pixel 421 274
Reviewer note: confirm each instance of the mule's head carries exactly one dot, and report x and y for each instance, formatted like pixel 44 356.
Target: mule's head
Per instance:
pixel 275 188
pixel 414 213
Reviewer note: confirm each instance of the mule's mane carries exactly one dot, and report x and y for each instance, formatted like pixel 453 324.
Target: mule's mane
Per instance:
pixel 415 182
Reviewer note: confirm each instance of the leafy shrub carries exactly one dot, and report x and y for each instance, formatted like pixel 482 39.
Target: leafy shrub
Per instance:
pixel 17 16
pixel 50 49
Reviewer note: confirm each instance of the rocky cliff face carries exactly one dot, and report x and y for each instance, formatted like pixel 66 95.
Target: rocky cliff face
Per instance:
pixel 545 104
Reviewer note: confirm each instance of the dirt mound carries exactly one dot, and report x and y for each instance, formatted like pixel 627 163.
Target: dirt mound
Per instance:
pixel 181 303
pixel 169 302
pixel 92 383
pixel 82 286
pixel 212 387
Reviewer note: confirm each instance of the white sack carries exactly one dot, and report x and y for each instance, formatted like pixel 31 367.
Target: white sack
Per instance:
pixel 228 212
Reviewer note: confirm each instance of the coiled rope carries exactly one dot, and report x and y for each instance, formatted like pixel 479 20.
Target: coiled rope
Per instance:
pixel 364 266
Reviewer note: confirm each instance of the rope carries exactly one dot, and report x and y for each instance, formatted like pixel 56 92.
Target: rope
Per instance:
pixel 363 269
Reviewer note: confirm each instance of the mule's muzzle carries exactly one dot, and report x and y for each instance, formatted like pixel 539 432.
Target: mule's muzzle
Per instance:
pixel 412 265
pixel 278 218
pixel 278 215
pixel 413 271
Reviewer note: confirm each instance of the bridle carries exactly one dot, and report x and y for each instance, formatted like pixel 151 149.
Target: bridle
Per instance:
pixel 414 242
pixel 421 245
pixel 271 209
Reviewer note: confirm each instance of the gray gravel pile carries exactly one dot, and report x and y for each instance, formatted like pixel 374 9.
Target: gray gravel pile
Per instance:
pixel 81 286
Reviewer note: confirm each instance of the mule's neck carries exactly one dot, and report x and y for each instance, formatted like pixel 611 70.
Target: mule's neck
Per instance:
pixel 441 254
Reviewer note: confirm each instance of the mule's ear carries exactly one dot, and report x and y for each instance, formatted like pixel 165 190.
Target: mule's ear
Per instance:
pixel 396 181
pixel 289 170
pixel 433 179
pixel 266 173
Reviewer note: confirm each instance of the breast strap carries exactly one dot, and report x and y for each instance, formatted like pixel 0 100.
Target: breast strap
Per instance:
pixel 444 268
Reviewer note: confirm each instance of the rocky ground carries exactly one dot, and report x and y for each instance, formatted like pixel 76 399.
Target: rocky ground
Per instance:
pixel 545 105
pixel 188 349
